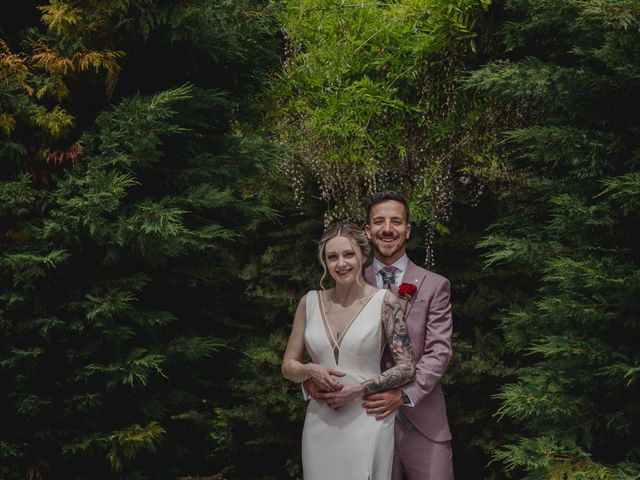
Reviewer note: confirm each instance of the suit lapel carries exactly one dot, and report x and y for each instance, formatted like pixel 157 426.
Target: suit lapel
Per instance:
pixel 416 277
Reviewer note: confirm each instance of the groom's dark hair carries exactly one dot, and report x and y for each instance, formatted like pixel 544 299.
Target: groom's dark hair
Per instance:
pixel 384 197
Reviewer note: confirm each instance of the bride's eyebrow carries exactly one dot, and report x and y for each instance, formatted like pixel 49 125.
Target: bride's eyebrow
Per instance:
pixel 348 250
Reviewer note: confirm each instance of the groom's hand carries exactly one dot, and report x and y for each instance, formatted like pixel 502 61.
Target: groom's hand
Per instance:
pixel 312 389
pixel 382 404
pixel 339 398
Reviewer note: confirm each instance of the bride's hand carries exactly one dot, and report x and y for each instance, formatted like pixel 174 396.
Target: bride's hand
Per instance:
pixel 323 377
pixel 344 396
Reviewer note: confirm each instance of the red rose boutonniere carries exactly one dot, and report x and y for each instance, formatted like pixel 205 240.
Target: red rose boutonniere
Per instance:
pixel 407 291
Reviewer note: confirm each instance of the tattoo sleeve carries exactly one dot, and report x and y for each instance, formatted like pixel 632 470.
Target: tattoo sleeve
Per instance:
pixel 395 327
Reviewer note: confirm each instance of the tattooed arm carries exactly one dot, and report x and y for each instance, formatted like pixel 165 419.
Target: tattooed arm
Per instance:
pixel 403 372
pixel 395 327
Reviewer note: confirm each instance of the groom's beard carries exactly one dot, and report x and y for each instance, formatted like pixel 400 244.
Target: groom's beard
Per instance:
pixel 391 253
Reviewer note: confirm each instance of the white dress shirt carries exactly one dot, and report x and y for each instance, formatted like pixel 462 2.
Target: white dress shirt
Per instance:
pixel 400 264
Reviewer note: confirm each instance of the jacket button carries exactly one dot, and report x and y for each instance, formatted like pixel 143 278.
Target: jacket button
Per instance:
pixel 389 364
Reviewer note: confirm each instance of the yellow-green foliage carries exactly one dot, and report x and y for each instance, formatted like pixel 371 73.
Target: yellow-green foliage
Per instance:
pixel 48 59
pixel 42 67
pixel 128 443
pixel 61 18
pixel 70 23
pixel 105 60
pixel 13 68
pixel 55 123
pixel 58 66
pixel 7 123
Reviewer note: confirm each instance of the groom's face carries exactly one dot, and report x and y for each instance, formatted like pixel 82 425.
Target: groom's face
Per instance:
pixel 388 230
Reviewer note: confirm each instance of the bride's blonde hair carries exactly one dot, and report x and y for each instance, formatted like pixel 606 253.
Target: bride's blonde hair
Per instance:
pixel 351 232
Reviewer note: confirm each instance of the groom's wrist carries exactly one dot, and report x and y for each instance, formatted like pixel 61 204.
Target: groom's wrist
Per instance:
pixel 406 400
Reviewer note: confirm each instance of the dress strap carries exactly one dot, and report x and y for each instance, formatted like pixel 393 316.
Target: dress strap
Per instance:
pixel 311 302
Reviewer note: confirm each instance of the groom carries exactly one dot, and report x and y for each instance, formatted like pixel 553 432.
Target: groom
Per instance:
pixel 423 440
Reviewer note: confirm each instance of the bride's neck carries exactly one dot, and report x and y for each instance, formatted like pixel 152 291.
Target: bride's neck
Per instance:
pixel 345 295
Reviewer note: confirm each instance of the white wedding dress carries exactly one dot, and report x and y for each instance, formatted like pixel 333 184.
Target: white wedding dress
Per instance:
pixel 346 444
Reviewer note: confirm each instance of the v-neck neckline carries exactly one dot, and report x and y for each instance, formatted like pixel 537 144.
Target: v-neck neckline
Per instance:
pixel 335 345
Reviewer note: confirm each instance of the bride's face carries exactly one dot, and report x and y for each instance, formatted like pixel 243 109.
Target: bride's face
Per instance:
pixel 344 262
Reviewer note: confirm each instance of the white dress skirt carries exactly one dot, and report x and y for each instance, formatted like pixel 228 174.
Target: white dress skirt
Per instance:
pixel 346 444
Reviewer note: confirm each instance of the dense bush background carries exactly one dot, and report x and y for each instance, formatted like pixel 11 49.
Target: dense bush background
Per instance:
pixel 167 169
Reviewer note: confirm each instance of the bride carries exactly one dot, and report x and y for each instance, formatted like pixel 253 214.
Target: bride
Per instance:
pixel 344 330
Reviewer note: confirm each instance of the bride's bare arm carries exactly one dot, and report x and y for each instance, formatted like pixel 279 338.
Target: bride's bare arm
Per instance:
pixel 395 327
pixel 292 367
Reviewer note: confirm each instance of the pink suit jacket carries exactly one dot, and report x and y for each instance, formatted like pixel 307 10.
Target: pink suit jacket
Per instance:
pixel 430 323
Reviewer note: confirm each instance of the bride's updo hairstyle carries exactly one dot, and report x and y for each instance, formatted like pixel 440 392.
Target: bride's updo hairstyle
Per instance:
pixel 351 232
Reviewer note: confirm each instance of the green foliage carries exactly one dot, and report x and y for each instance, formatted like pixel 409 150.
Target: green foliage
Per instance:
pixel 265 419
pixel 369 100
pixel 121 289
pixel 128 443
pixel 480 363
pixel 100 316
pixel 560 460
pixel 265 412
pixel 148 284
pixel 574 394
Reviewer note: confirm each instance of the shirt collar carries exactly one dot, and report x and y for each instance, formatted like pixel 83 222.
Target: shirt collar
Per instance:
pixel 400 264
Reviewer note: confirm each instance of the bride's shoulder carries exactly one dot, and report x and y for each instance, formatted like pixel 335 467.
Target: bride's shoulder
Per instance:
pixel 311 295
pixel 373 291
